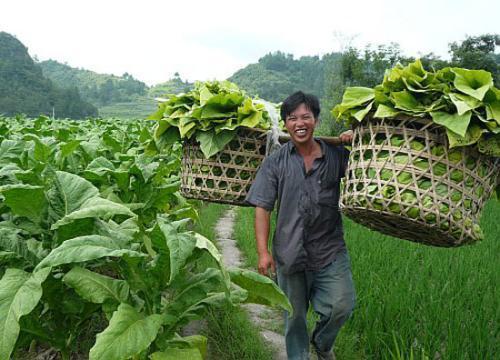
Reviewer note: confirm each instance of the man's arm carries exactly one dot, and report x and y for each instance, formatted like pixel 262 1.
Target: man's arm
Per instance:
pixel 262 225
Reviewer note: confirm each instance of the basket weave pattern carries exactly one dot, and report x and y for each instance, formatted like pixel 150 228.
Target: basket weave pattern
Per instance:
pixel 227 176
pixel 403 181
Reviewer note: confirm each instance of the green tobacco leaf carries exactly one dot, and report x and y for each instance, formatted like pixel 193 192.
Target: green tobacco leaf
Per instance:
pixel 68 148
pixel 100 165
pixel 261 289
pixel 68 193
pixel 178 246
pixel 360 114
pixel 25 200
pixel 10 150
pixel 85 248
pixel 198 342
pixel 94 207
pixel 472 136
pixel 384 111
pixel 95 287
pixel 472 82
pixel 41 151
pixel 404 100
pixel 193 297
pixel 492 104
pixel 453 122
pixel 177 354
pixel 128 334
pixel 211 143
pixel 464 103
pixel 490 145
pixel 29 250
pixel 20 292
pixel 357 96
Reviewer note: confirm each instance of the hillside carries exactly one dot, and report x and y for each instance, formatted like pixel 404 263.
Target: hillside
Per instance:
pixel 24 89
pixel 277 75
pixel 98 89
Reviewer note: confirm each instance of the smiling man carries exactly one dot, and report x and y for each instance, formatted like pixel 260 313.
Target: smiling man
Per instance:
pixel 309 255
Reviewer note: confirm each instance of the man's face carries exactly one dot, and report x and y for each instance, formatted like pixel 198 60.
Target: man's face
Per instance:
pixel 300 125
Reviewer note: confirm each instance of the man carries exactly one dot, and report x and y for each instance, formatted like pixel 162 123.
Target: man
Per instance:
pixel 309 254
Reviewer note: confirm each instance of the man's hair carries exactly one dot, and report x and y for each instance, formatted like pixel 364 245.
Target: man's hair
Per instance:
pixel 291 103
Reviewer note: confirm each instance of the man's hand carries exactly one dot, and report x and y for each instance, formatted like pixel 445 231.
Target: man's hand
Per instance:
pixel 266 262
pixel 346 137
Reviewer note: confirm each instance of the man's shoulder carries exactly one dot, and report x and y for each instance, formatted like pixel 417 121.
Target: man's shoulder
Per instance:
pixel 335 149
pixel 280 154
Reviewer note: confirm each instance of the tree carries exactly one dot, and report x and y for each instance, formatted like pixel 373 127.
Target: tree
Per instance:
pixel 478 52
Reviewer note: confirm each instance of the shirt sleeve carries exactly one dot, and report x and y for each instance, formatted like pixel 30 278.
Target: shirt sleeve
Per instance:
pixel 264 189
pixel 344 160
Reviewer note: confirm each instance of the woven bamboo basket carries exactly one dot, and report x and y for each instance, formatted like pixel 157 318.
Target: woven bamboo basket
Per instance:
pixel 227 176
pixel 403 181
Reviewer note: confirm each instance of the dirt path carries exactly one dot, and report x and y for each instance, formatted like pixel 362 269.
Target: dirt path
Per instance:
pixel 265 318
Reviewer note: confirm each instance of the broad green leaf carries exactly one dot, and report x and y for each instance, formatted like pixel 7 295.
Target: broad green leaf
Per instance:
pixel 69 147
pixel 453 122
pixel 92 147
pixel 490 145
pixel 158 114
pixel 128 334
pixel 211 143
pixel 113 144
pixel 144 167
pixel 464 103
pixel 185 125
pixel 193 297
pixel 198 342
pixel 356 96
pixel 472 82
pixel 404 100
pixel 472 135
pixel 25 200
pixel 252 120
pixel 205 95
pixel 492 104
pixel 10 150
pixel 176 245
pixel 100 165
pixel 30 250
pixel 68 193
pixel 360 114
pixel 384 111
pixel 261 289
pixel 177 354
pixel 20 292
pixel 95 287
pixel 203 243
pixel 94 207
pixel 86 248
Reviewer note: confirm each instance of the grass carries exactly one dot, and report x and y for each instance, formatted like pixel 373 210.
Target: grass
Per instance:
pixel 141 108
pixel 415 300
pixel 231 335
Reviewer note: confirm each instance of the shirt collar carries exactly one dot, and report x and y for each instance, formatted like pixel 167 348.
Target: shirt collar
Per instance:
pixel 292 148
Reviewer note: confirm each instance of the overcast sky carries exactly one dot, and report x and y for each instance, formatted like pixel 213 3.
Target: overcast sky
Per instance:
pixel 205 40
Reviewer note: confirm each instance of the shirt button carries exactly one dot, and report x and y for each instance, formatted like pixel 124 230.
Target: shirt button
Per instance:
pixel 319 181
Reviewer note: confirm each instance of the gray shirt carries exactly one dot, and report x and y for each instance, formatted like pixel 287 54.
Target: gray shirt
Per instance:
pixel 308 231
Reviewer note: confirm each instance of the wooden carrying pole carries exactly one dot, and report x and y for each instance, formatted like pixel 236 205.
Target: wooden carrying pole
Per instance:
pixel 328 139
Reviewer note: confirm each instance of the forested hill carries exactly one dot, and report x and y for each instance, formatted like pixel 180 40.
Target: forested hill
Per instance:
pixel 98 89
pixel 24 89
pixel 277 75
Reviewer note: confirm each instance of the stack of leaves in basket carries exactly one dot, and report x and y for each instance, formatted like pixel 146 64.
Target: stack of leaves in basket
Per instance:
pixel 464 105
pixel 210 114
